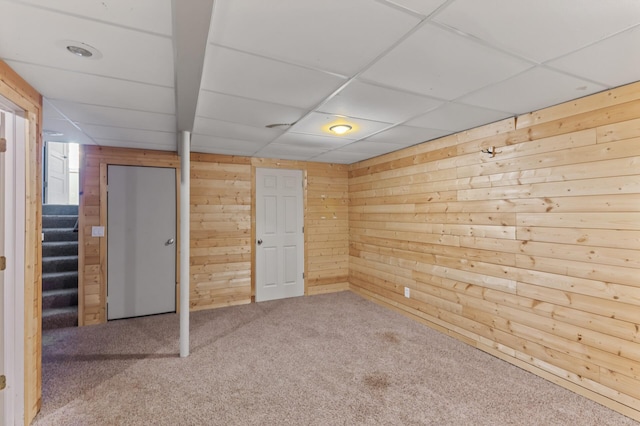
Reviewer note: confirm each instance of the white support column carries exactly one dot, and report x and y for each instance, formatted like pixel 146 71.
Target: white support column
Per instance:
pixel 185 195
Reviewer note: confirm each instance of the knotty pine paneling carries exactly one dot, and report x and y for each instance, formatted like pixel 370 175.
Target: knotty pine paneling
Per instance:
pixel 532 255
pixel 326 236
pixel 92 211
pixel 220 231
pixel 221 251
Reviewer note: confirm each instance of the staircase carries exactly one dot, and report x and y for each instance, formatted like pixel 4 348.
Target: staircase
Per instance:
pixel 59 266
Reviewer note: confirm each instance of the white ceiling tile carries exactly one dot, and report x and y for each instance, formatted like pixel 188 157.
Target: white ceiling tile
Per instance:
pixel 340 157
pixel 407 135
pixel 542 29
pixel 442 64
pixel 456 117
pixel 240 74
pixel 245 111
pixel 423 7
pixel 289 152
pixel 90 89
pixel 132 135
pixel 61 130
pixel 123 143
pixel 116 117
pixel 227 130
pixel 311 141
pixel 318 124
pixel 126 54
pixel 369 147
pixel 50 111
pixel 146 15
pixel 532 90
pixel 332 35
pixel 217 145
pixel 610 62
pixel 377 103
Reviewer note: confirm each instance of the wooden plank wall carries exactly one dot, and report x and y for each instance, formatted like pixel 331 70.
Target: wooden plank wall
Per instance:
pixel 92 251
pixel 18 91
pixel 220 231
pixel 532 255
pixel 326 234
pixel 222 224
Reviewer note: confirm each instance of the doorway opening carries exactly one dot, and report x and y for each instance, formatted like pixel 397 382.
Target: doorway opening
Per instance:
pixel 61 167
pixel 61 177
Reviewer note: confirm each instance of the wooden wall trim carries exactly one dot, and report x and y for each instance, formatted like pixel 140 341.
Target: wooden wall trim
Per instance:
pixel 18 91
pixel 531 255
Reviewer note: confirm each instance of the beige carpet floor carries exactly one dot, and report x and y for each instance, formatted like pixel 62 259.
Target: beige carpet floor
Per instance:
pixel 333 359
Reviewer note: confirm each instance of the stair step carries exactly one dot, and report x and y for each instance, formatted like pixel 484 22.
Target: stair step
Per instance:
pixel 59 221
pixel 59 280
pixel 58 318
pixel 59 248
pixel 63 209
pixel 60 234
pixel 63 298
pixel 60 264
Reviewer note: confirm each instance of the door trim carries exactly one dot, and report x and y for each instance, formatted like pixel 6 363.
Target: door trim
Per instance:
pixel 103 240
pixel 264 163
pixel 15 365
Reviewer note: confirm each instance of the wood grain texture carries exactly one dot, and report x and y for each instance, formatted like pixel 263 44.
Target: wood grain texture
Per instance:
pixel 222 226
pixel 18 91
pixel 92 259
pixel 532 255
pixel 326 207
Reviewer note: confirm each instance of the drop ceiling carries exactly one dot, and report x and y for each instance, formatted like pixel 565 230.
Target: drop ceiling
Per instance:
pixel 401 72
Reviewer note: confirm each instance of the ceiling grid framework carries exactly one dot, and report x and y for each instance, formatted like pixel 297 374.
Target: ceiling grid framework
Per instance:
pixel 400 72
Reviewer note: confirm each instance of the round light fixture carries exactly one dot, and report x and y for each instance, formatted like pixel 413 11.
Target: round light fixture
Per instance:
pixel 340 129
pixel 80 49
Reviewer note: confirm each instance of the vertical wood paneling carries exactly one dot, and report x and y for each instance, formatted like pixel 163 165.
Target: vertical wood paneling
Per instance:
pixel 18 91
pixel 532 255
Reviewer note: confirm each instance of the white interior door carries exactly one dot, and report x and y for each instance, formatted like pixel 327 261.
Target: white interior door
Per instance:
pixel 57 179
pixel 141 232
pixel 12 228
pixel 279 234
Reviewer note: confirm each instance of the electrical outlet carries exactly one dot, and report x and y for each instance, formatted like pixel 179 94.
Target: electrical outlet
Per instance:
pixel 407 292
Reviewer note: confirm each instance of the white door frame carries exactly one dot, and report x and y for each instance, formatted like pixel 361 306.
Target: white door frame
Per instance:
pixel 52 152
pixel 260 235
pixel 14 248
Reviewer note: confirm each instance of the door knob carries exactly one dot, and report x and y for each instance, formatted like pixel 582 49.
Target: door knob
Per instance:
pixel 259 242
pixel 169 242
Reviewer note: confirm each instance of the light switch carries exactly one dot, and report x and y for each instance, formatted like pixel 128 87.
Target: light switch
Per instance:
pixel 97 231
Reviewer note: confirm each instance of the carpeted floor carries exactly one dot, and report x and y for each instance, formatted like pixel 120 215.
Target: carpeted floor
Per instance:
pixel 333 359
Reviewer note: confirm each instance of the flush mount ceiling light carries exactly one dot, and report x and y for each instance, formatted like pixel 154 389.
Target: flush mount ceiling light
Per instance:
pixel 79 49
pixel 340 129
